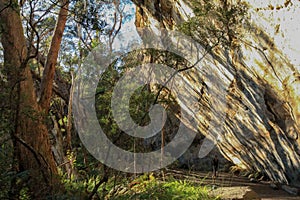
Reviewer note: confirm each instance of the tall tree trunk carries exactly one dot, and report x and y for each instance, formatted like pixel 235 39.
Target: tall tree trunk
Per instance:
pixel 32 148
pixel 49 71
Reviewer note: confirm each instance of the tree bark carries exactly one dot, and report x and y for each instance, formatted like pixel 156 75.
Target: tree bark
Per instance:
pixel 32 148
pixel 49 71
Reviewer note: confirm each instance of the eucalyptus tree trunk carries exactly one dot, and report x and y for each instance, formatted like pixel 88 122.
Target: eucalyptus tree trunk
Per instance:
pixel 32 148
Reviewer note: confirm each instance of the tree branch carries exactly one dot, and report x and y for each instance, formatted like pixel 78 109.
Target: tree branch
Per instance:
pixel 5 7
pixel 35 154
pixel 104 179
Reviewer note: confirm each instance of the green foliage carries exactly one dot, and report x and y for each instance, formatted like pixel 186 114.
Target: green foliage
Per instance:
pixel 140 103
pixel 165 190
pixel 103 99
pixel 5 169
pixel 24 194
pixel 6 126
pixel 76 189
pixel 146 186
pixel 89 14
pixel 216 22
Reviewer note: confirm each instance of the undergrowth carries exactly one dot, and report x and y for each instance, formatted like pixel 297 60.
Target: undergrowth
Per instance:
pixel 151 188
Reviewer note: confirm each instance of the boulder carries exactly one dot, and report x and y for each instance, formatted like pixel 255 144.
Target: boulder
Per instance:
pixel 235 193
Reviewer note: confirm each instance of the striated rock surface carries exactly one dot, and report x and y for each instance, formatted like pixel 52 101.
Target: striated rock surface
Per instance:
pixel 249 98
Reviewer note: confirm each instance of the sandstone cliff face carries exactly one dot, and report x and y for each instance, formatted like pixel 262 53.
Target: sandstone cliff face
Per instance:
pixel 256 89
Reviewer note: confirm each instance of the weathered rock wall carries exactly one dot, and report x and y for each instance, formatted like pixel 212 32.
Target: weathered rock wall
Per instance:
pixel 257 88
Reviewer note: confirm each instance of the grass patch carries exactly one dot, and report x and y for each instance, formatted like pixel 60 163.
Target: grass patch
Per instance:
pixel 163 190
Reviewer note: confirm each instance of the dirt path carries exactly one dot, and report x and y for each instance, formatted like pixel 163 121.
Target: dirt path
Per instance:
pixel 263 189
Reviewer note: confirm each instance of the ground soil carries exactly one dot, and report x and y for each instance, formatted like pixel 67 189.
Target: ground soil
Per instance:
pixel 263 189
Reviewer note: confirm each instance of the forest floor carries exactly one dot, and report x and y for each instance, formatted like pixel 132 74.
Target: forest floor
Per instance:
pixel 228 181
